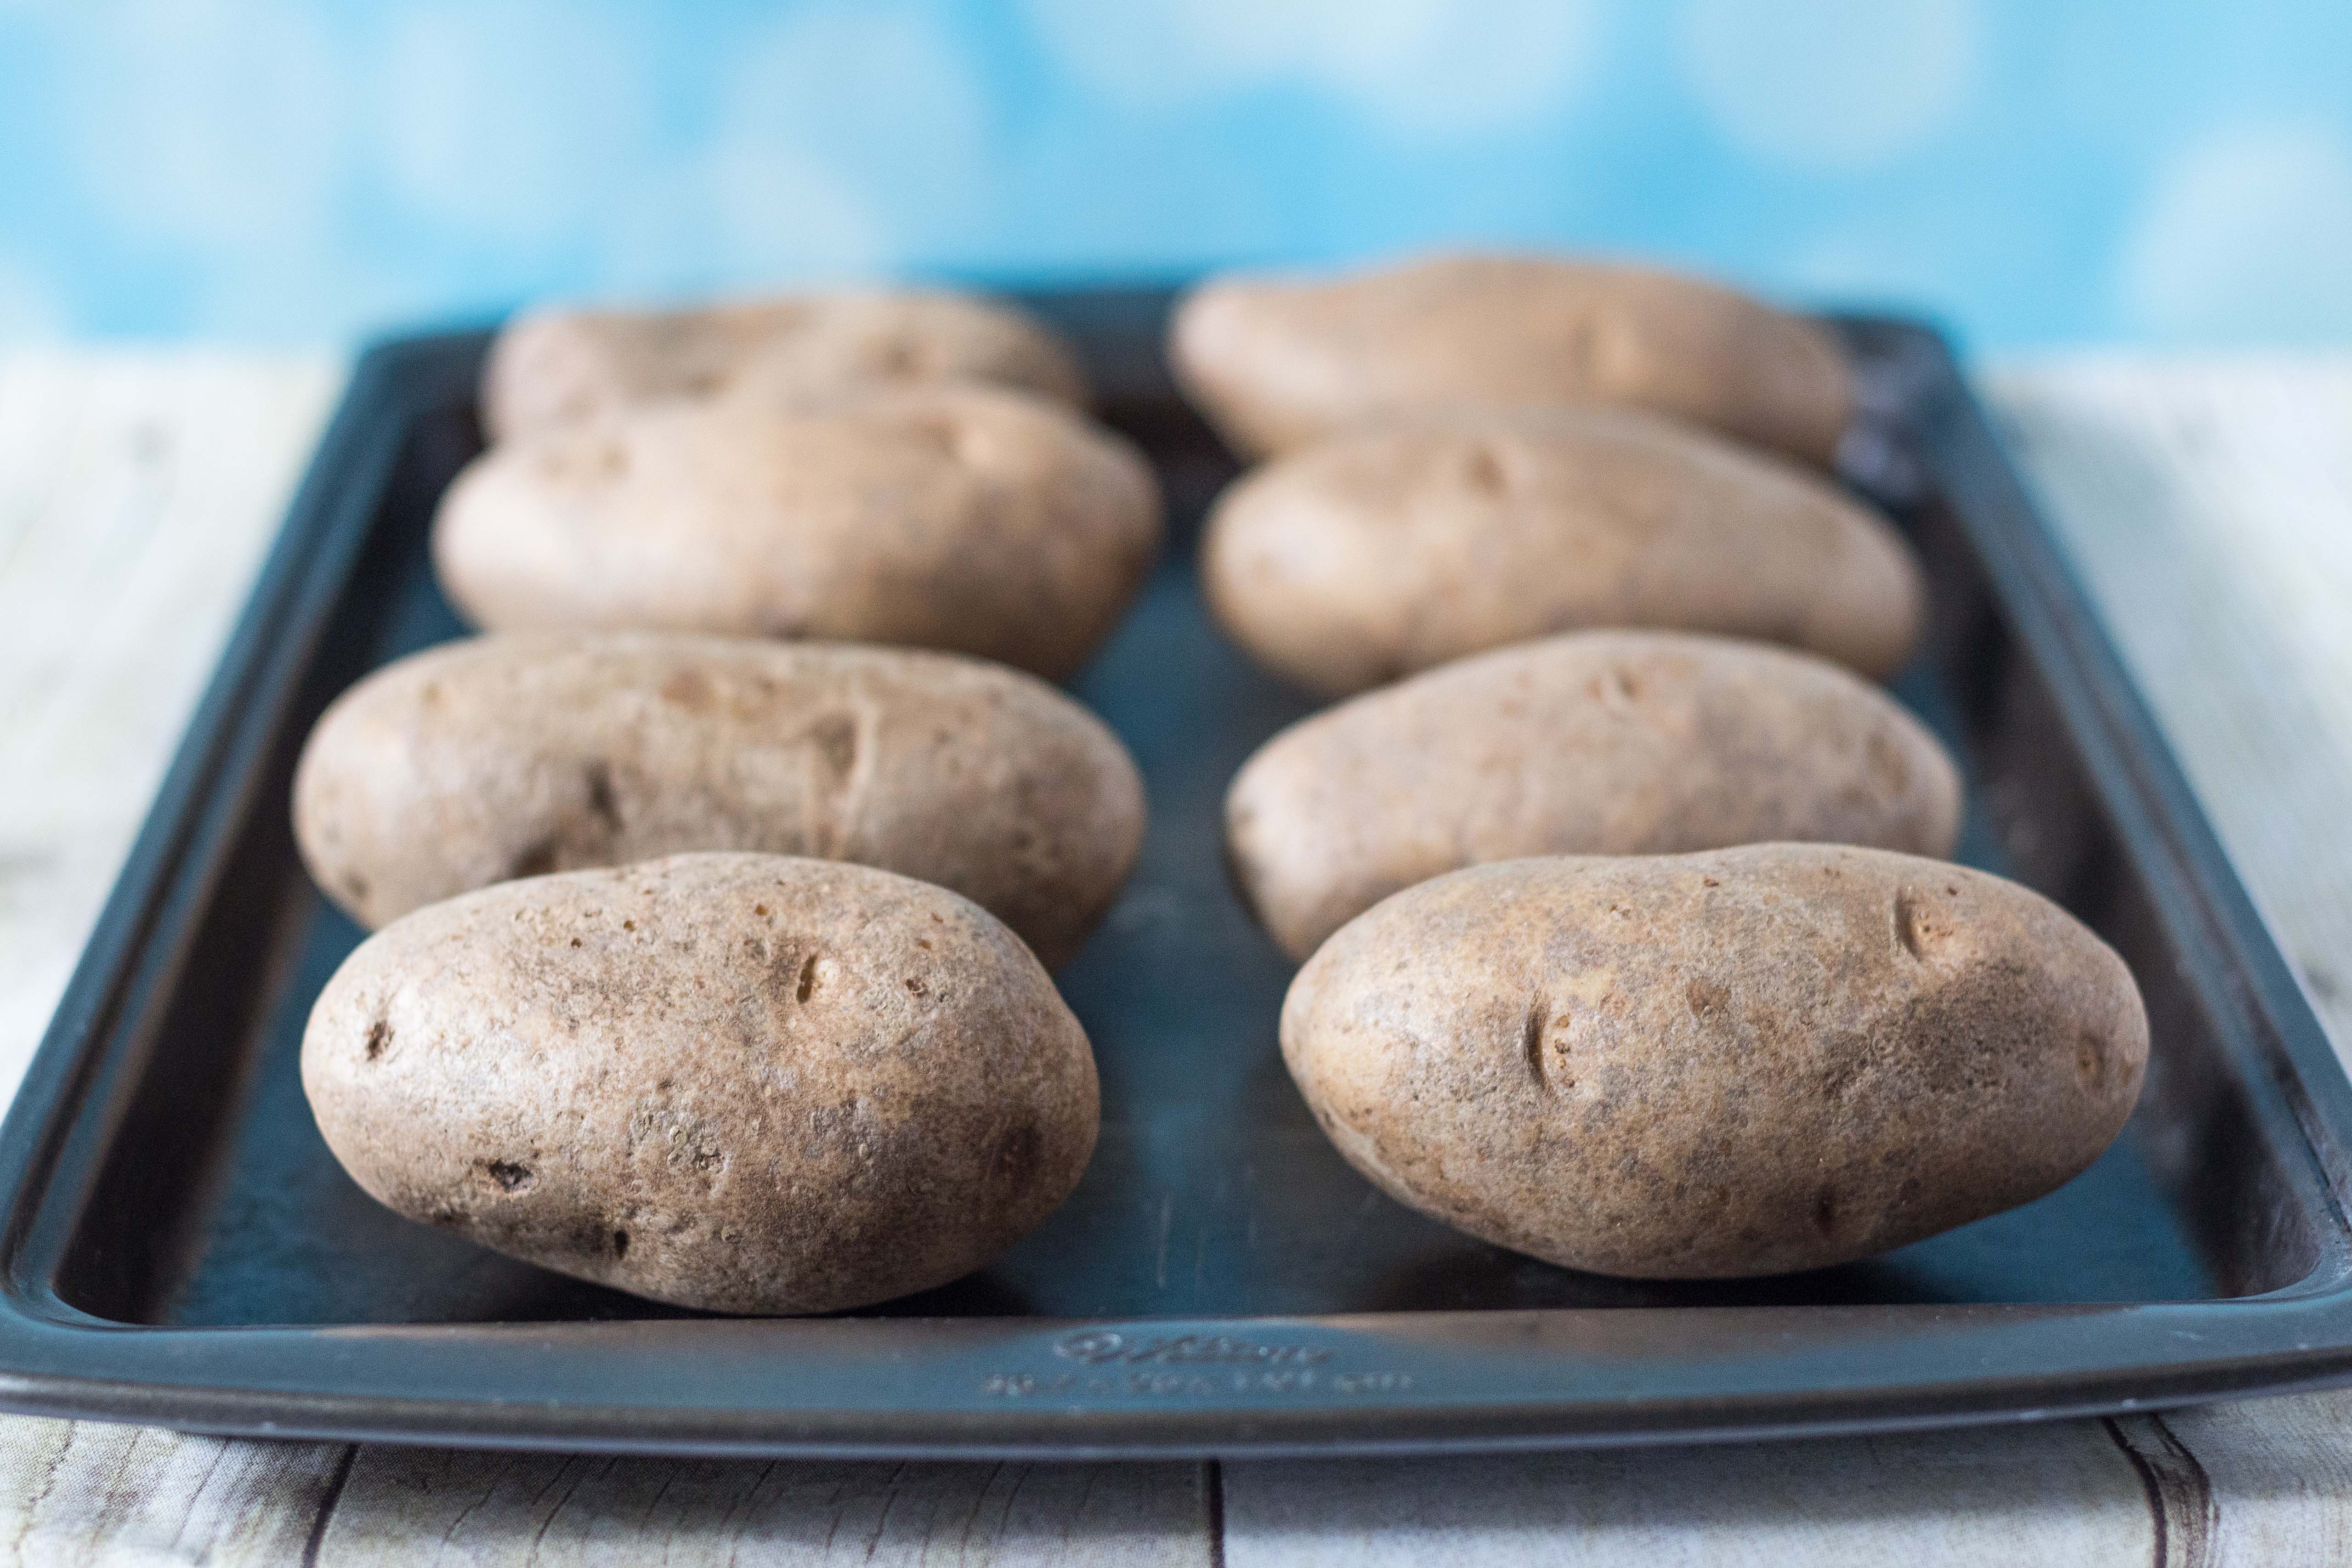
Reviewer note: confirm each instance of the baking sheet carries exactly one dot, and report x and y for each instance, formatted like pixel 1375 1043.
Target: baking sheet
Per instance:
pixel 1222 1281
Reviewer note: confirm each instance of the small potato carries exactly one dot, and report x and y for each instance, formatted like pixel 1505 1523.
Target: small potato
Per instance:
pixel 1387 552
pixel 751 1083
pixel 1741 1062
pixel 517 755
pixel 550 368
pixel 1608 743
pixel 958 518
pixel 1279 362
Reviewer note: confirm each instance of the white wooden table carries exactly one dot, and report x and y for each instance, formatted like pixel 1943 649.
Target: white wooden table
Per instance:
pixel 2209 504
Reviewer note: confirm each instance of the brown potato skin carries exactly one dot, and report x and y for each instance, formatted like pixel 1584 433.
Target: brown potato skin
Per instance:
pixel 1386 551
pixel 960 518
pixel 1279 362
pixel 750 1084
pixel 1598 743
pixel 512 755
pixel 1741 1062
pixel 551 367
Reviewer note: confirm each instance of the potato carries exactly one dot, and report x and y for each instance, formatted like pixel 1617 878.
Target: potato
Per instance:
pixel 1739 1061
pixel 1387 552
pixel 1279 362
pixel 957 517
pixel 517 755
pixel 752 1083
pixel 1610 743
pixel 549 367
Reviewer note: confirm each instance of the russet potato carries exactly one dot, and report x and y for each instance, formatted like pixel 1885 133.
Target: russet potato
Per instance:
pixel 967 519
pixel 1277 362
pixel 1739 1061
pixel 750 1084
pixel 551 367
pixel 1376 554
pixel 1593 743
pixel 513 756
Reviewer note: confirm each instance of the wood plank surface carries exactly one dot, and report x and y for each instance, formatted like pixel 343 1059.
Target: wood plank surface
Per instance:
pixel 2209 505
pixel 137 492
pixel 76 1493
pixel 2264 1482
pixel 2056 1494
pixel 424 1506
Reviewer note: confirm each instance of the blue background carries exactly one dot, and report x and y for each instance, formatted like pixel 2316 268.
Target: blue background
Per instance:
pixel 2035 171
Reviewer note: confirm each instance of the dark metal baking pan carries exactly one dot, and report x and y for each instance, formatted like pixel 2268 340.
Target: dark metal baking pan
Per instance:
pixel 180 1247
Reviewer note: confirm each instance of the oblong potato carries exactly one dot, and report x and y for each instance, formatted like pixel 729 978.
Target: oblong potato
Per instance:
pixel 517 755
pixel 1389 550
pixel 549 367
pixel 958 518
pixel 1279 362
pixel 1739 1061
pixel 1609 743
pixel 751 1083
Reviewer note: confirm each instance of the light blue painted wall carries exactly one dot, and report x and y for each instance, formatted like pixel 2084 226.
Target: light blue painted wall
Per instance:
pixel 2035 171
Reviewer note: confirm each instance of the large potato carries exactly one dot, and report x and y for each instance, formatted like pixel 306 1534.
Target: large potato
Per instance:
pixel 1739 1061
pixel 747 1083
pixel 957 517
pixel 1609 743
pixel 551 367
pixel 1389 550
pixel 1277 362
pixel 517 755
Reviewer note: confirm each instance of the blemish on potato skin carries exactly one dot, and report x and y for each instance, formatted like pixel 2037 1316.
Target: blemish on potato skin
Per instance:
pixel 1888 767
pixel 1545 1041
pixel 942 433
pixel 508 1176
pixel 1017 1152
pixel 1706 1000
pixel 1908 935
pixel 596 786
pixel 835 740
pixel 1920 928
pixel 1482 470
pixel 1617 689
pixel 689 688
pixel 2091 1063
